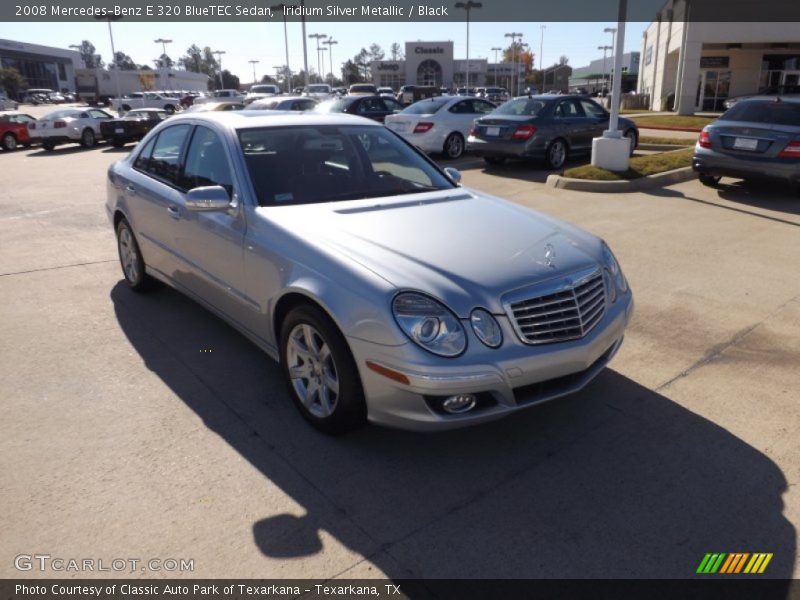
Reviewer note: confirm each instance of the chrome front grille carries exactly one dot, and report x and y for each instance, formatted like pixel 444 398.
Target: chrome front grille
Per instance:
pixel 566 313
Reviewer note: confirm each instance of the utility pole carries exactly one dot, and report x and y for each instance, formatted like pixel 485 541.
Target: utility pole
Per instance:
pixel 318 37
pixel 330 42
pixel 514 36
pixel 282 8
pixel 496 50
pixel 254 63
pixel 219 54
pixel 468 6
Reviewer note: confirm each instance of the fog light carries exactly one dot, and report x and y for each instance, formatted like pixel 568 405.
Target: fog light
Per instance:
pixel 459 404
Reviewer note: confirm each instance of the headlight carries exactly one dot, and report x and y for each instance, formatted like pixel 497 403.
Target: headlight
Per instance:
pixel 486 328
pixel 613 267
pixel 429 323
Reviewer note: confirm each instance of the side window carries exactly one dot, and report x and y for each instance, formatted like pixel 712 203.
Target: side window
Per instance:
pixel 99 114
pixel 144 156
pixel 165 160
pixel 592 110
pixel 483 107
pixel 392 105
pixel 566 110
pixel 371 105
pixel 463 107
pixel 206 162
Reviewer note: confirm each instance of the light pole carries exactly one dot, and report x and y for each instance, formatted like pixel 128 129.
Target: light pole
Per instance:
pixel 318 37
pixel 322 52
pixel 605 50
pixel 219 54
pixel 496 50
pixel 541 49
pixel 110 18
pixel 164 43
pixel 468 6
pixel 514 36
pixel 278 69
pixel 282 8
pixel 254 63
pixel 613 32
pixel 330 42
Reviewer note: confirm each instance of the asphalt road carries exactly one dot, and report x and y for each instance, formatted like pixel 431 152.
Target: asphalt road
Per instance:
pixel 142 427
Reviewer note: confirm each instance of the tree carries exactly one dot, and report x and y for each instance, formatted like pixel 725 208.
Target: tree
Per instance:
pixel 375 52
pixel 124 62
pixel 352 73
pixel 89 55
pixel 563 59
pixel 199 60
pixel 229 80
pixel 165 61
pixel 396 51
pixel 11 81
pixel 361 61
pixel 268 79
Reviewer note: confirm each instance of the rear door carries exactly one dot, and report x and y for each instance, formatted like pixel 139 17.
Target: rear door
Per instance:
pixel 154 200
pixel 596 117
pixel 571 124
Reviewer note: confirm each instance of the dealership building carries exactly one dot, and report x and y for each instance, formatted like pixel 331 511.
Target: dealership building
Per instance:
pixel 41 66
pixel 433 64
pixel 692 66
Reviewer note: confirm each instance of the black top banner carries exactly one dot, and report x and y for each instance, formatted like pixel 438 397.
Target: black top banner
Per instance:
pixel 400 10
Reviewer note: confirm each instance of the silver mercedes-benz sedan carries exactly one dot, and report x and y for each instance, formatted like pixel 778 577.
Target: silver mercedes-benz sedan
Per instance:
pixel 387 292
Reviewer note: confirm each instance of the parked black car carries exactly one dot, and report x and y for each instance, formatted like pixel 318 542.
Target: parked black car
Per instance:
pixel 757 138
pixel 376 108
pixel 548 127
pixel 133 126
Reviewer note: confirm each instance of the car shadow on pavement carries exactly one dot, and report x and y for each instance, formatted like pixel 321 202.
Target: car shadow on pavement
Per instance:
pixel 617 481
pixel 778 196
pixel 61 150
pixel 524 170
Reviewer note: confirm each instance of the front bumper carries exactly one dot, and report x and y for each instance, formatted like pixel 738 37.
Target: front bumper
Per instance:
pixel 506 380
pixel 710 162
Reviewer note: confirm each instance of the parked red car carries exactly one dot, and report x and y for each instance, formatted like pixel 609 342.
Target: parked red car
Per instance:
pixel 14 130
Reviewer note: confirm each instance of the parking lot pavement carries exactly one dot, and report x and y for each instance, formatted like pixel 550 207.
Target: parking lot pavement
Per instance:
pixel 141 426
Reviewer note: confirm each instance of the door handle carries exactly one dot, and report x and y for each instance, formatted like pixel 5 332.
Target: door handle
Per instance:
pixel 130 189
pixel 173 211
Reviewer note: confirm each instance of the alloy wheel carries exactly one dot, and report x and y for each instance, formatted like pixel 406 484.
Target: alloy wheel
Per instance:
pixel 128 255
pixel 312 370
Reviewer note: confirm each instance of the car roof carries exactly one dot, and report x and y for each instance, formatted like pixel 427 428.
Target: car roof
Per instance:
pixel 241 119
pixel 771 98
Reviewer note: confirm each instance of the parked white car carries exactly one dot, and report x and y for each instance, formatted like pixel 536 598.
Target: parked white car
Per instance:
pixel 145 100
pixel 257 92
pixel 221 96
pixel 439 124
pixel 7 103
pixel 320 91
pixel 69 125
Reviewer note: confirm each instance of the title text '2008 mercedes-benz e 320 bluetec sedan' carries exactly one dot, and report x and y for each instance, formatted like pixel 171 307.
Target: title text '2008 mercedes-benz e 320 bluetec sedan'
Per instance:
pixel 387 292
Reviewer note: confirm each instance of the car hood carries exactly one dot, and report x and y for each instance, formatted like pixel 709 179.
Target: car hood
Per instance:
pixel 461 246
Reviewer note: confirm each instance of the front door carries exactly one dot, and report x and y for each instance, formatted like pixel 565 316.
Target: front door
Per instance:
pixel 712 90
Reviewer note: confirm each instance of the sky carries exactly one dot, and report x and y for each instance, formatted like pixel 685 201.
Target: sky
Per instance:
pixel 263 41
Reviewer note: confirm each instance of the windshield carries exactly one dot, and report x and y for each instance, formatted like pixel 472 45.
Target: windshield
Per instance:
pixel 765 111
pixel 316 89
pixel 324 163
pixel 263 89
pixel 521 107
pixel 363 88
pixel 62 114
pixel 426 107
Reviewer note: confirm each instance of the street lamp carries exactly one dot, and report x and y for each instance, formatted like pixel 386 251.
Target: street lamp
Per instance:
pixel 496 50
pixel 322 51
pixel 318 37
pixel 109 17
pixel 164 43
pixel 282 8
pixel 541 49
pixel 330 42
pixel 468 6
pixel 514 36
pixel 605 50
pixel 254 63
pixel 219 54
pixel 613 32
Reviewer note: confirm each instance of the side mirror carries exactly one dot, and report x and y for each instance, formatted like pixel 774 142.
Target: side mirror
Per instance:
pixel 209 198
pixel 453 174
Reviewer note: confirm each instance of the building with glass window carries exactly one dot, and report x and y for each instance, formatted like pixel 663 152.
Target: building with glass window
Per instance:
pixel 41 66
pixel 433 64
pixel 689 66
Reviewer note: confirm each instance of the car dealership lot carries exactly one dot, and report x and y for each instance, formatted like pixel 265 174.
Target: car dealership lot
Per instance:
pixel 143 427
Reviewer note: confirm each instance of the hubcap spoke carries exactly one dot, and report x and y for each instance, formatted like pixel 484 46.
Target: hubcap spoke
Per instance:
pixel 302 371
pixel 312 370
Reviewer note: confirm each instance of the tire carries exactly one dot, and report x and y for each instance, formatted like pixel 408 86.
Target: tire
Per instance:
pixel 88 139
pixel 709 180
pixel 556 154
pixel 631 135
pixel 170 109
pixel 454 146
pixel 9 142
pixel 125 108
pixel 131 260
pixel 320 371
pixel 494 160
pixel 48 145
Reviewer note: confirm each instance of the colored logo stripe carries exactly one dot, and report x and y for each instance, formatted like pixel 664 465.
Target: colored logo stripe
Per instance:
pixel 733 563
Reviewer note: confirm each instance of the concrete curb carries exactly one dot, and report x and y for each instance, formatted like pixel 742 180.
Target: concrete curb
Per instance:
pixel 631 185
pixel 665 128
